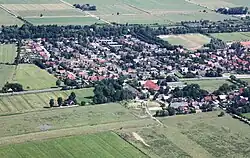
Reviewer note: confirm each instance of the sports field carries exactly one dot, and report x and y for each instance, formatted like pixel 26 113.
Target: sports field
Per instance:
pixel 189 41
pixel 232 37
pixel 209 85
pixel 31 102
pixel 6 72
pixel 7 53
pixel 199 135
pixel 32 77
pixel 105 145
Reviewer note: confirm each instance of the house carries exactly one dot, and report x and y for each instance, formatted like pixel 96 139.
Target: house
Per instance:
pixel 151 85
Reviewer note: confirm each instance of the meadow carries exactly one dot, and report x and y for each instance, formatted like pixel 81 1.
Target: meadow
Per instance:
pixel 38 101
pixel 7 53
pixel 209 85
pixel 6 72
pixel 33 78
pixel 189 41
pixel 198 135
pixel 232 37
pixel 105 145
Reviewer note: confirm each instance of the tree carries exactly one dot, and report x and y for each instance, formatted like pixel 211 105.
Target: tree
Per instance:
pixel 171 111
pixel 51 102
pixel 59 101
pixel 221 114
pixel 58 83
pixel 83 103
pixel 72 96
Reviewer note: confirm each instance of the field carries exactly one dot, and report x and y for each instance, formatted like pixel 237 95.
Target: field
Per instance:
pixel 209 85
pixel 247 115
pixel 7 53
pixel 200 135
pixel 7 19
pixel 189 41
pixel 6 72
pixel 31 102
pixel 32 77
pixel 231 37
pixel 104 145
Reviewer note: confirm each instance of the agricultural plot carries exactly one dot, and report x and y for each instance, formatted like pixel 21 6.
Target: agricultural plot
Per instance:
pixel 214 4
pixel 232 37
pixel 32 77
pixel 199 135
pixel 7 53
pixel 61 119
pixel 103 145
pixel 189 41
pixel 6 72
pixel 31 102
pixel 7 19
pixel 209 85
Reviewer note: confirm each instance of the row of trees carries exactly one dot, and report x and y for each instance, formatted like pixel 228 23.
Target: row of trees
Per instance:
pixel 85 7
pixel 12 87
pixel 233 11
pixel 71 100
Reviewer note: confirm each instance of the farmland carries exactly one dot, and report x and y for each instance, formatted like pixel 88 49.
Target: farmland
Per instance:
pixel 32 77
pixel 105 144
pixel 6 72
pixel 7 19
pixel 189 41
pixel 199 135
pixel 209 85
pixel 234 36
pixel 30 102
pixel 7 53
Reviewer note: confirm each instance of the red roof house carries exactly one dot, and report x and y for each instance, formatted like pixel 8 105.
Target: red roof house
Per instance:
pixel 151 85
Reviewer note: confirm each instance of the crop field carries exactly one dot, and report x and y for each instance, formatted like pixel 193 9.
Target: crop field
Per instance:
pixel 189 41
pixel 198 135
pixel 7 53
pixel 104 145
pixel 56 118
pixel 6 72
pixel 234 36
pixel 209 85
pixel 32 77
pixel 31 102
pixel 7 19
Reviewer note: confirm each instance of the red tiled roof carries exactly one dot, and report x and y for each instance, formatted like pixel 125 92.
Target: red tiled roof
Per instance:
pixel 151 85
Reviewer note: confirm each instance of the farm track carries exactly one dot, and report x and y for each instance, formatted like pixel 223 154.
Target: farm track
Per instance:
pixel 134 7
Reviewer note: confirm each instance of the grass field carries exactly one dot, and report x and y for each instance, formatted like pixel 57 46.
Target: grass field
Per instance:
pixel 231 37
pixel 103 145
pixel 31 102
pixel 7 19
pixel 189 41
pixel 247 115
pixel 209 85
pixel 6 72
pixel 7 53
pixel 32 77
pixel 200 135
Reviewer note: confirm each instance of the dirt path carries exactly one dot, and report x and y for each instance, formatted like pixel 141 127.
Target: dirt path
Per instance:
pixel 152 117
pixel 139 138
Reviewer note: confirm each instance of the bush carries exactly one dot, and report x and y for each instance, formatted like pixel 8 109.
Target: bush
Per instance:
pixel 221 114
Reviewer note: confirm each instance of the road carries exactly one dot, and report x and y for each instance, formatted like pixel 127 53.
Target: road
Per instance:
pixel 30 92
pixel 215 78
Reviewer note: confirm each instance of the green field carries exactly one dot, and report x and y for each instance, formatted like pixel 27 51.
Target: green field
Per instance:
pixel 247 115
pixel 189 41
pixel 199 135
pixel 31 102
pixel 32 77
pixel 7 19
pixel 29 1
pixel 7 53
pixel 6 72
pixel 209 85
pixel 234 36
pixel 105 145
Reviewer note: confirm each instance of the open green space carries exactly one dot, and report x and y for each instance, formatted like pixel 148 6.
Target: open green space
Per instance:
pixel 31 102
pixel 209 85
pixel 7 19
pixel 32 77
pixel 247 115
pixel 189 41
pixel 6 72
pixel 7 53
pixel 198 135
pixel 232 37
pixel 29 1
pixel 63 118
pixel 105 145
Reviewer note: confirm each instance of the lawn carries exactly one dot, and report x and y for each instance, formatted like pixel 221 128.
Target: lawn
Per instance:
pixel 234 36
pixel 189 41
pixel 6 72
pixel 7 53
pixel 52 119
pixel 106 144
pixel 32 77
pixel 199 135
pixel 209 85
pixel 31 102
pixel 7 19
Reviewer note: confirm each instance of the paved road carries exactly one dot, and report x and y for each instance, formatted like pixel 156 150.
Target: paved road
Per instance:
pixel 215 78
pixel 31 92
